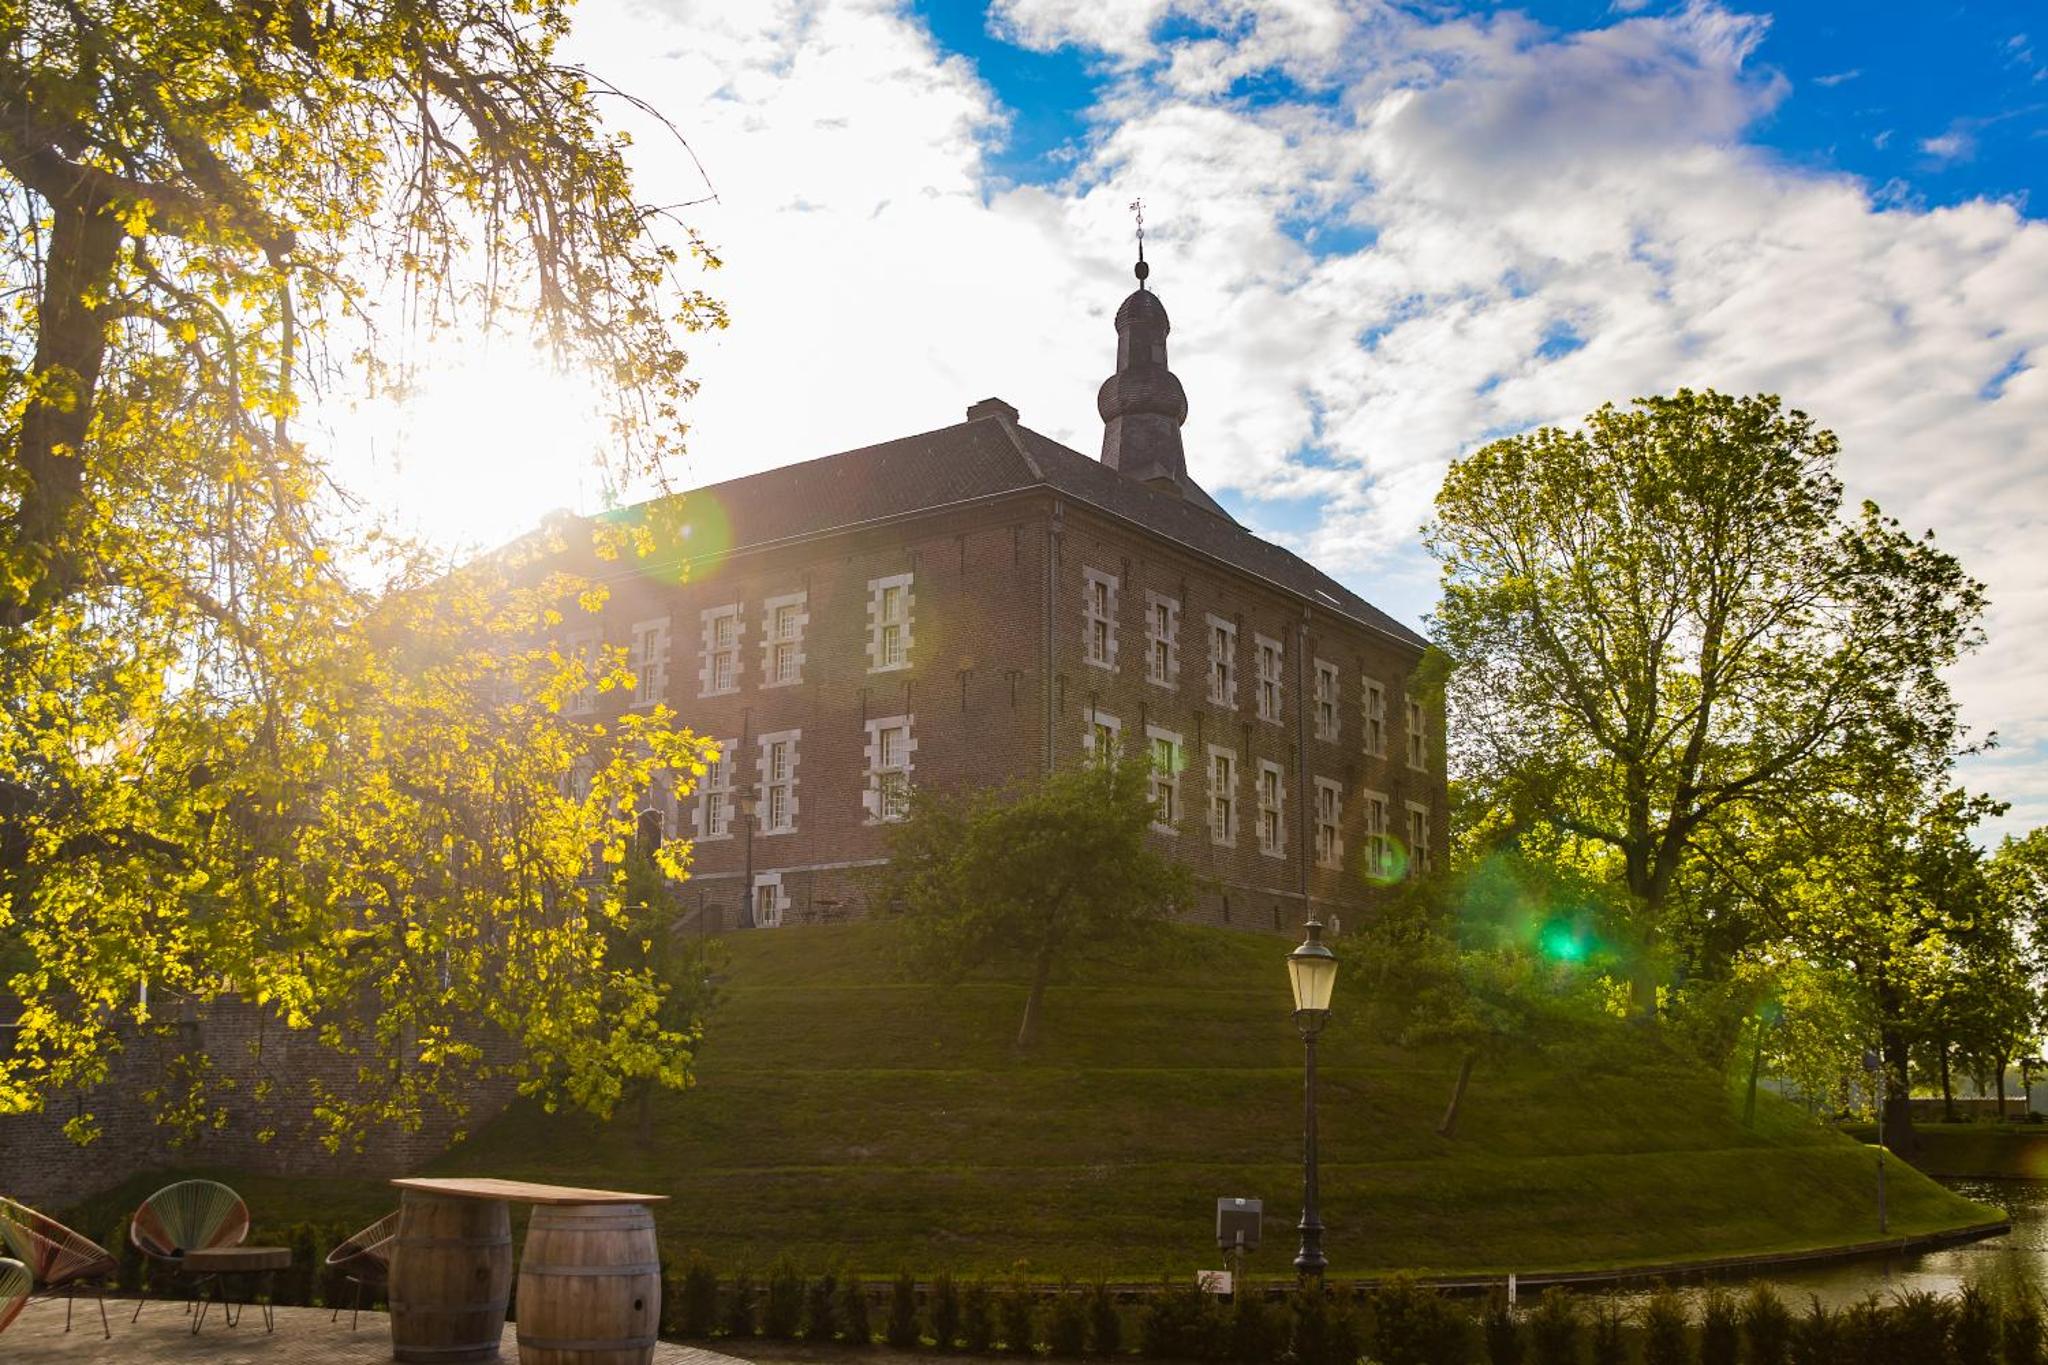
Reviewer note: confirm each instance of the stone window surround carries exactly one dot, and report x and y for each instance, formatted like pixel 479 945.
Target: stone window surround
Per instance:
pixel 1379 851
pixel 1418 849
pixel 764 751
pixel 877 589
pixel 1153 602
pixel 1329 707
pixel 871 795
pixel 1332 791
pixel 1261 644
pixel 1171 780
pixel 1373 724
pixel 769 606
pixel 720 792
pixel 1418 733
pixel 1103 719
pixel 768 881
pixel 650 676
pixel 1277 848
pixel 1090 616
pixel 707 670
pixel 1226 696
pixel 1228 837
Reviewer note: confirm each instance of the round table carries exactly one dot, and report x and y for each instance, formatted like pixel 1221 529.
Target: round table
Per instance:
pixel 216 1264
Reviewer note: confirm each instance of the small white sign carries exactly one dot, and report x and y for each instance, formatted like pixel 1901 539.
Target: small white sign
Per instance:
pixel 1213 1281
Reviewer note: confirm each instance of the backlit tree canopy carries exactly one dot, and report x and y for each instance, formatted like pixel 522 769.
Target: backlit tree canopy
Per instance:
pixel 225 760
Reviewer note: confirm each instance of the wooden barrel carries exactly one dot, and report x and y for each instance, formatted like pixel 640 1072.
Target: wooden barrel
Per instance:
pixel 589 1286
pixel 451 1273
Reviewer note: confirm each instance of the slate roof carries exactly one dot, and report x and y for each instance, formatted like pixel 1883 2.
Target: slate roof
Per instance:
pixel 985 458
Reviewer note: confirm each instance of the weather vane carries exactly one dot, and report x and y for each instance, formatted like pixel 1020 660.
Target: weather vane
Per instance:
pixel 1142 270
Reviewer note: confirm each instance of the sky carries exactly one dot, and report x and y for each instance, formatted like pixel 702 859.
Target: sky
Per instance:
pixel 1385 234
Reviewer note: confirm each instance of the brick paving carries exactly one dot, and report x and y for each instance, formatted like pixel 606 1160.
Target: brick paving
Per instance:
pixel 304 1336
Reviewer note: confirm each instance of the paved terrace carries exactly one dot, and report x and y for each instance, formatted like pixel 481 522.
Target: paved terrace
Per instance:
pixel 304 1336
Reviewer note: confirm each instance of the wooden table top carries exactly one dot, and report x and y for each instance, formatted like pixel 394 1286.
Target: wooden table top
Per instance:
pixel 520 1191
pixel 217 1259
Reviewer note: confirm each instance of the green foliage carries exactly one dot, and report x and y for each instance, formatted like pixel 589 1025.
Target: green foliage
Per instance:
pixel 945 1312
pixel 1817 1335
pixel 1665 1338
pixel 854 1325
pixel 1973 1328
pixel 1767 1324
pixel 738 1320
pixel 1182 1322
pixel 821 1308
pixel 1415 1325
pixel 977 1318
pixel 2020 1332
pixel 1501 1331
pixel 1018 1309
pixel 1105 1323
pixel 1919 1326
pixel 1066 1323
pixel 901 1331
pixel 1031 875
pixel 782 1312
pixel 697 1313
pixel 1720 1328
pixel 1324 1330
pixel 1554 1328
pixel 1257 1334
pixel 1608 1338
pixel 1863 1328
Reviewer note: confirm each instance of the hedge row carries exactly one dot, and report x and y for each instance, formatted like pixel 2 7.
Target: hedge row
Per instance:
pixel 1398 1323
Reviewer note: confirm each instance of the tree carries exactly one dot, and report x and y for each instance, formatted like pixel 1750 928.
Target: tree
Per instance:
pixel 1665 617
pixel 240 745
pixel 1032 875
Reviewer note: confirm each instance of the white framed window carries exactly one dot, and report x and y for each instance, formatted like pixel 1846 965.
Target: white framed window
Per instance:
pixel 650 661
pixel 1418 838
pixel 1375 704
pixel 1379 844
pixel 1104 737
pixel 783 621
pixel 1329 820
pixel 891 611
pixel 1222 796
pixel 719 672
pixel 1222 663
pixel 889 749
pixel 1166 769
pixel 1418 736
pixel 1272 810
pixel 777 762
pixel 714 812
pixel 1327 723
pixel 1098 625
pixel 1272 656
pixel 1162 640
pixel 770 900
pixel 585 649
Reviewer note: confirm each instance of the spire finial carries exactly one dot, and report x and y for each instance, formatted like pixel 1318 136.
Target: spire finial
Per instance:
pixel 1141 270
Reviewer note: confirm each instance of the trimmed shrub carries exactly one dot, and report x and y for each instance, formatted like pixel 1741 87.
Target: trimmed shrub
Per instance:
pixel 1860 1332
pixel 1415 1325
pixel 821 1308
pixel 738 1320
pixel 854 1327
pixel 783 1309
pixel 945 1312
pixel 901 1331
pixel 1720 1328
pixel 1610 1333
pixel 1816 1336
pixel 296 1284
pixel 1973 1332
pixel 977 1318
pixel 1501 1333
pixel 1257 1335
pixel 1665 1341
pixel 1105 1323
pixel 1918 1330
pixel 1554 1328
pixel 2020 1337
pixel 697 1313
pixel 1324 1330
pixel 1179 1323
pixel 1019 1311
pixel 1767 1324
pixel 1066 1324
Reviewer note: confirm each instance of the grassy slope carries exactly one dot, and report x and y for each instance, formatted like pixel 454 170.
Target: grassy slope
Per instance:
pixel 848 1115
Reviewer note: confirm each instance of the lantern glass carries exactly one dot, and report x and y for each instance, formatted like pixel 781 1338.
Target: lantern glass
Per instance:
pixel 1312 971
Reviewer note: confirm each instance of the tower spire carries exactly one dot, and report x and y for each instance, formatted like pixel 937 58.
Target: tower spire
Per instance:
pixel 1141 270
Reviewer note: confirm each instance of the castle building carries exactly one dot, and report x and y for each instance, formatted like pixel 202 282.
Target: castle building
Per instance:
pixel 979 603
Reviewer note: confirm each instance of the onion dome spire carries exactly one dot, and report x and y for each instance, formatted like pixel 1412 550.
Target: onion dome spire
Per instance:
pixel 1142 404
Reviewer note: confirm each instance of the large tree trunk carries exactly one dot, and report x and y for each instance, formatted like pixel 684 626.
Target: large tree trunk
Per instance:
pixel 1756 1066
pixel 1948 1095
pixel 2001 1090
pixel 1449 1124
pixel 1899 1133
pixel 1041 972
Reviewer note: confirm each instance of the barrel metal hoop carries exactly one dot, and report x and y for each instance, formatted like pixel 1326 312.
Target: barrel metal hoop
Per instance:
pixel 501 1240
pixel 642 1268
pixel 584 1343
pixel 443 1309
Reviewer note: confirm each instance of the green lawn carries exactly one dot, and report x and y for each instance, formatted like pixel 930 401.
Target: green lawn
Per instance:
pixel 849 1116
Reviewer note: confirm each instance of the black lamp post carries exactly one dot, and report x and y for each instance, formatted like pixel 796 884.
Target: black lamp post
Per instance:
pixel 1312 971
pixel 743 801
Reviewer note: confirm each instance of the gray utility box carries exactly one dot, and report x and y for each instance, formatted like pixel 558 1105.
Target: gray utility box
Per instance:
pixel 1237 1224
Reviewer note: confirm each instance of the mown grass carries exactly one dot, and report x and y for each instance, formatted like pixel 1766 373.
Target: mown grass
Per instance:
pixel 852 1117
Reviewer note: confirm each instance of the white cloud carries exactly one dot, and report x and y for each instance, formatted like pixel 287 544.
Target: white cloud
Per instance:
pixel 1953 145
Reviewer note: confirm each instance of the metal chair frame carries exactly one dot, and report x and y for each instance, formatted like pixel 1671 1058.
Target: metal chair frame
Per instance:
pixel 57 1257
pixel 364 1258
pixel 16 1284
pixel 206 1212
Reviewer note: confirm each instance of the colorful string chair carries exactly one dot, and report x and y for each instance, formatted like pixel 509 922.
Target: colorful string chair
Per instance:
pixel 192 1215
pixel 56 1257
pixel 365 1260
pixel 15 1284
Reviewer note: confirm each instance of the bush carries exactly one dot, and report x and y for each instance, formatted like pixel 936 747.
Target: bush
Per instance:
pixel 1554 1328
pixel 1973 1332
pixel 739 1306
pixel 1919 1325
pixel 945 1312
pixel 1817 1336
pixel 1720 1330
pixel 1019 1309
pixel 1178 1323
pixel 854 1327
pixel 901 1331
pixel 2021 1334
pixel 821 1309
pixel 1257 1334
pixel 1413 1325
pixel 1860 1332
pixel 1066 1324
pixel 1324 1331
pixel 1768 1325
pixel 1610 1333
pixel 784 1308
pixel 296 1284
pixel 697 1307
pixel 977 1318
pixel 1664 1337
pixel 1500 1331
pixel 1105 1323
